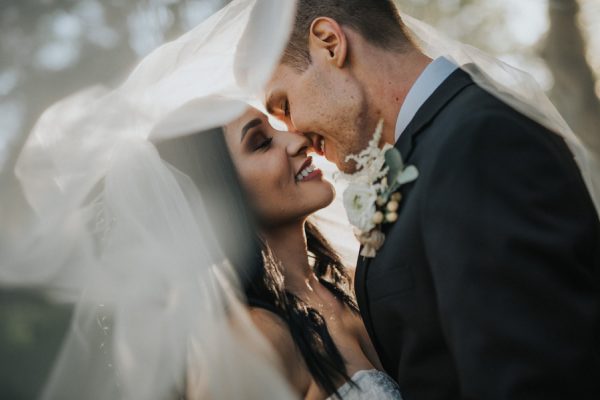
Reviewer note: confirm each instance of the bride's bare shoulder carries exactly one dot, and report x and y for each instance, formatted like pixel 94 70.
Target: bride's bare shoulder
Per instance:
pixel 273 328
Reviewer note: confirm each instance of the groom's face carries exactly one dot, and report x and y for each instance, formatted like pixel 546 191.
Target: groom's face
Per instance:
pixel 325 101
pixel 326 105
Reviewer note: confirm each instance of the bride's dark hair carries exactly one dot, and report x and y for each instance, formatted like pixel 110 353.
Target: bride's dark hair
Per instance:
pixel 204 157
pixel 307 327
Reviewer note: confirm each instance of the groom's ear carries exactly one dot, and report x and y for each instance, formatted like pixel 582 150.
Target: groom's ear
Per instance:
pixel 327 39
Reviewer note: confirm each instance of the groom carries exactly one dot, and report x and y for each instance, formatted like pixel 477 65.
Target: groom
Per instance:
pixel 487 286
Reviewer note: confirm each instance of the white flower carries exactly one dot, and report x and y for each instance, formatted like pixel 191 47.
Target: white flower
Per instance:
pixel 379 174
pixel 359 201
pixel 371 161
pixel 371 241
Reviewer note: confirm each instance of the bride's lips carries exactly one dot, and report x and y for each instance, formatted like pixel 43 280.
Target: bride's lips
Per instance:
pixel 316 174
pixel 308 171
pixel 304 165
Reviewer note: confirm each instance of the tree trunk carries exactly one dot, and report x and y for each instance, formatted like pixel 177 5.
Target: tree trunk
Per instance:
pixel 574 88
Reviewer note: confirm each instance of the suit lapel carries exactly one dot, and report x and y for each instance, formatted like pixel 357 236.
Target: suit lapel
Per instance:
pixel 360 286
pixel 360 289
pixel 451 87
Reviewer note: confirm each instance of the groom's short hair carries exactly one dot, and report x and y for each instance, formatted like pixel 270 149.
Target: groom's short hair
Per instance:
pixel 378 21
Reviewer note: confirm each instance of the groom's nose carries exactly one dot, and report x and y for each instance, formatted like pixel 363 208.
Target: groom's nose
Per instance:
pixel 312 138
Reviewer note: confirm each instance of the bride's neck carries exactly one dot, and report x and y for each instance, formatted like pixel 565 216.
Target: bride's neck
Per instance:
pixel 288 244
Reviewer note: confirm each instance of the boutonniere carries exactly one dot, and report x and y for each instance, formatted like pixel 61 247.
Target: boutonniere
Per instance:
pixel 372 197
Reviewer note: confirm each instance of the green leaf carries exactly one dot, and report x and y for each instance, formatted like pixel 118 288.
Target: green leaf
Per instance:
pixel 408 175
pixel 393 160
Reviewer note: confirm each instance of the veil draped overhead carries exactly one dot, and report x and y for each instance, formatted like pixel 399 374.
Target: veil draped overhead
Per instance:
pixel 517 89
pixel 104 223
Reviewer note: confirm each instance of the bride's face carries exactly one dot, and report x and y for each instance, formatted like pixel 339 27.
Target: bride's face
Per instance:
pixel 278 175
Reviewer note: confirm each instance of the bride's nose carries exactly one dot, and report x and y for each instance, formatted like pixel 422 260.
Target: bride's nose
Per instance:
pixel 295 143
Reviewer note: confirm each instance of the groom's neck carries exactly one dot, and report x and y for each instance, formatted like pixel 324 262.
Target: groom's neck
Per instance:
pixel 389 76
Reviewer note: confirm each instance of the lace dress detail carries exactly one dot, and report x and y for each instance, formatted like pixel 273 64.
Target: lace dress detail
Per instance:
pixel 369 384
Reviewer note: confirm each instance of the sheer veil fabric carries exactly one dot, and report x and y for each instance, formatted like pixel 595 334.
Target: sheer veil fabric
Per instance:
pixel 517 89
pixel 110 227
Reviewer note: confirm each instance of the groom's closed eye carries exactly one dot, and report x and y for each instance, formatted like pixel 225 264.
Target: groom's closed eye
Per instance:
pixel 278 105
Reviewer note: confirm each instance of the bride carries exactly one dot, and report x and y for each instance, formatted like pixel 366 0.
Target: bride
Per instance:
pixel 315 301
pixel 301 299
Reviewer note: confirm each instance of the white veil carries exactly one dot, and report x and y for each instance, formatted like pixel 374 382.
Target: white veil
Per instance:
pixel 97 219
pixel 517 89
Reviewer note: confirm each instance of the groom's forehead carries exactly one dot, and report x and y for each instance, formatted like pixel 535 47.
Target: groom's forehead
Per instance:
pixel 281 81
pixel 276 90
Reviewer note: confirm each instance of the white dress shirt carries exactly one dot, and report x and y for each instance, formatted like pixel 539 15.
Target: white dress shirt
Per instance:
pixel 430 79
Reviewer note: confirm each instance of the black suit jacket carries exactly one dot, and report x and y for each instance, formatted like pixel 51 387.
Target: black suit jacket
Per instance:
pixel 487 286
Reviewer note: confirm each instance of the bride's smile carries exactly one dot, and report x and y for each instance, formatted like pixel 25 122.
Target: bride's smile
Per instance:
pixel 308 172
pixel 279 176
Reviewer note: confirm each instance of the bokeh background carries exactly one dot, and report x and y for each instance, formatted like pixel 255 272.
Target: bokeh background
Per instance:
pixel 52 48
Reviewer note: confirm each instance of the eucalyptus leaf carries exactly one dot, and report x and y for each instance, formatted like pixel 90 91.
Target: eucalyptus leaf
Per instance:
pixel 393 161
pixel 408 175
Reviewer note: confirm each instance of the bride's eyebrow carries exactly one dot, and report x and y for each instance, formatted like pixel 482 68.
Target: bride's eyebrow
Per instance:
pixel 250 125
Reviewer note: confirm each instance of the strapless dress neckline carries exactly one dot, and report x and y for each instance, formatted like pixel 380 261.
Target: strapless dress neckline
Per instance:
pixel 369 384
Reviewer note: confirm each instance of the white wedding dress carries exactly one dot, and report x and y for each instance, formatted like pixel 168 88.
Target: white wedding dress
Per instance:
pixel 369 384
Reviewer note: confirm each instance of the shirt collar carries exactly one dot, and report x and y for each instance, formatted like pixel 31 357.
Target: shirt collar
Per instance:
pixel 429 80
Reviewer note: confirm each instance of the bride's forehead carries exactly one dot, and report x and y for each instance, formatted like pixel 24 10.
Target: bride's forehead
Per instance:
pixel 252 114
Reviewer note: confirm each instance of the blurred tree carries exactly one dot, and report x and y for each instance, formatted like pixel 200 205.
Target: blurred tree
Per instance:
pixel 574 84
pixel 479 23
pixel 31 332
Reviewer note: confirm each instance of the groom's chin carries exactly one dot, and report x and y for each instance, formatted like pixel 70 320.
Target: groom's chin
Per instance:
pixel 346 167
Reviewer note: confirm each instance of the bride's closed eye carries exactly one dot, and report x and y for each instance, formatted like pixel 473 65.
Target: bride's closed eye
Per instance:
pixel 259 141
pixel 254 136
pixel 264 144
